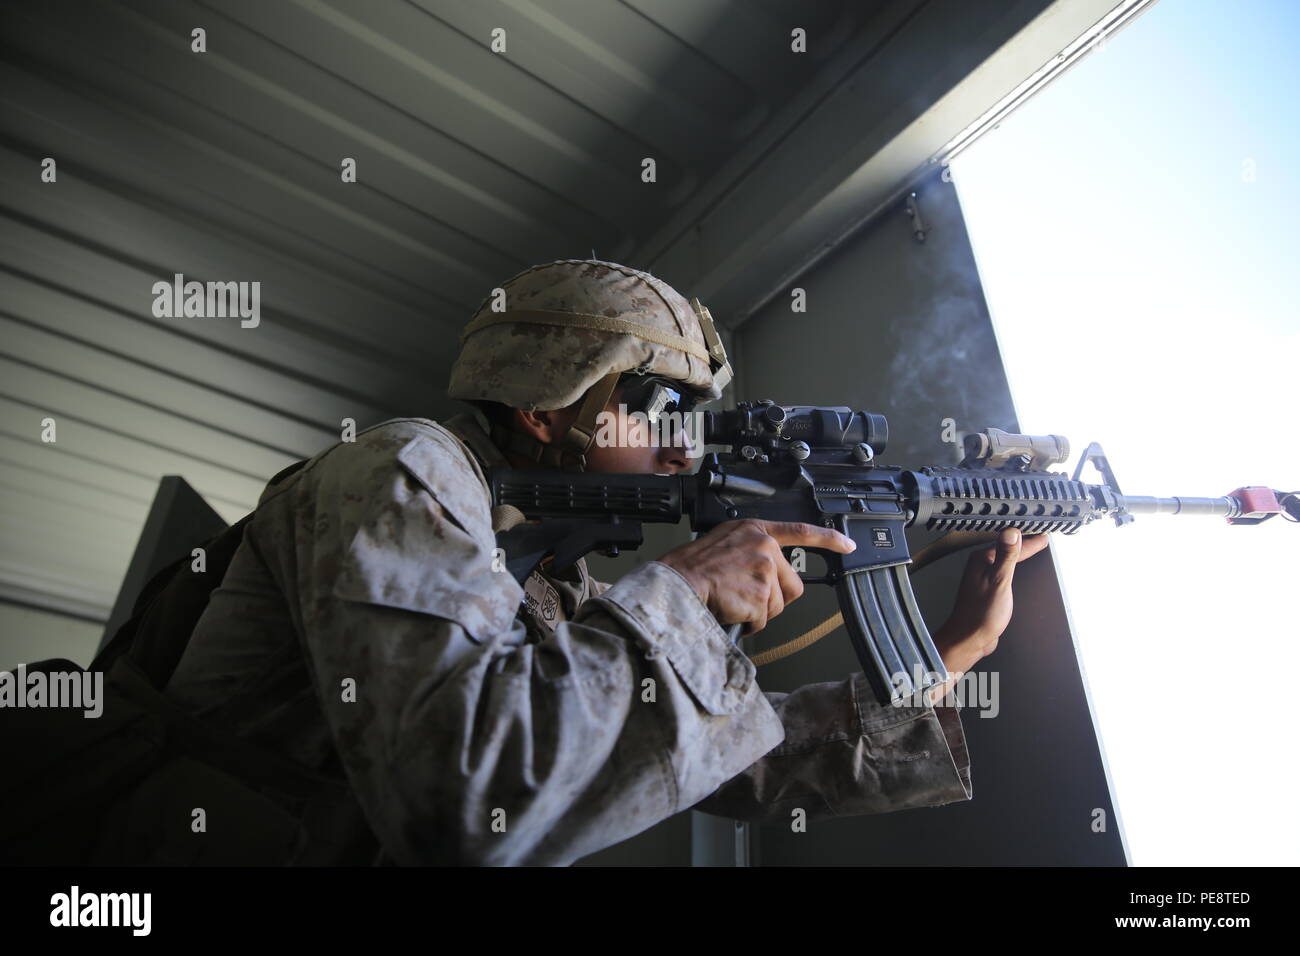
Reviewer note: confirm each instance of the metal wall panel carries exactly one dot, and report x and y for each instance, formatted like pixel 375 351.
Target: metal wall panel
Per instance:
pixel 900 327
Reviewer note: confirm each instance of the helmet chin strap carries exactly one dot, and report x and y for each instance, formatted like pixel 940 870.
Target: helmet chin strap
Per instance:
pixel 570 453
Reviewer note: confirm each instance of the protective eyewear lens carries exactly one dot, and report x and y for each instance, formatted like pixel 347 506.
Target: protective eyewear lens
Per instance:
pixel 656 395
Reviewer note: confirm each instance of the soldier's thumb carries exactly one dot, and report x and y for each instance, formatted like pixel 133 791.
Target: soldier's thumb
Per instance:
pixel 1007 552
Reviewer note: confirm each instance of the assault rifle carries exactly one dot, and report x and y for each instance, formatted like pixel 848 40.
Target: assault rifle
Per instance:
pixel 818 465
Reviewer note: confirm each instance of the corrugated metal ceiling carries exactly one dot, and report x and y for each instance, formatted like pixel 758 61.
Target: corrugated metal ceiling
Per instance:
pixel 225 166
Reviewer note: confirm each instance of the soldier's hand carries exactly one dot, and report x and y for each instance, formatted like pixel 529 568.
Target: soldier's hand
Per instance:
pixel 738 569
pixel 983 607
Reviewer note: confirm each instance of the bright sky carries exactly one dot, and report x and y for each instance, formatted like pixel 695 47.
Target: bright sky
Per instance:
pixel 1133 228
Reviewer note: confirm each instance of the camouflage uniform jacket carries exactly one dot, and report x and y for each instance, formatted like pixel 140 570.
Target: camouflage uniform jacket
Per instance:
pixel 361 629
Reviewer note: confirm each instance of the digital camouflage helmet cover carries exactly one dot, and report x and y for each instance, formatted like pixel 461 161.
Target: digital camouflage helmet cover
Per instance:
pixel 557 331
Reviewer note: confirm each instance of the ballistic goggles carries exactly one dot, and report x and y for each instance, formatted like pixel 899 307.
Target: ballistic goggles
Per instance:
pixel 653 394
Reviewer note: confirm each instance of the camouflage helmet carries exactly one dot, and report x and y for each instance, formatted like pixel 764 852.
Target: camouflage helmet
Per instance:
pixel 557 331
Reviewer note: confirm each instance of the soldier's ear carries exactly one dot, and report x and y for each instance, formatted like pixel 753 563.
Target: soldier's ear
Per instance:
pixel 530 423
pixel 545 426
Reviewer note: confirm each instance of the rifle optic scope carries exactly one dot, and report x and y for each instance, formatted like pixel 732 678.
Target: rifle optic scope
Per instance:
pixel 773 428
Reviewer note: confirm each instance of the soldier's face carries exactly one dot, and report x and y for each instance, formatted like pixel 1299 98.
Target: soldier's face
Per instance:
pixel 638 447
pixel 627 443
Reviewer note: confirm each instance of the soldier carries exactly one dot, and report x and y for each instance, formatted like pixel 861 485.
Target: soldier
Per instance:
pixel 365 631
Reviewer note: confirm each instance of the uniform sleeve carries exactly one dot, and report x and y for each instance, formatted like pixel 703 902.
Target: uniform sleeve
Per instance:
pixel 846 754
pixel 467 744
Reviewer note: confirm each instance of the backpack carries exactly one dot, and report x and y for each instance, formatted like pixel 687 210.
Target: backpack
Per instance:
pixel 123 788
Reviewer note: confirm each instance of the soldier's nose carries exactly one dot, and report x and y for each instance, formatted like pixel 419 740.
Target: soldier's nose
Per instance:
pixel 675 459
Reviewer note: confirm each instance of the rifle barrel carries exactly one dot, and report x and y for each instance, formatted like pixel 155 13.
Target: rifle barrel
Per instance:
pixel 1225 507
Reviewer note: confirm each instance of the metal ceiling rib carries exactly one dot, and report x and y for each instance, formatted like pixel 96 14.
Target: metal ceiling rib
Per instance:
pixel 943 70
pixel 224 166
